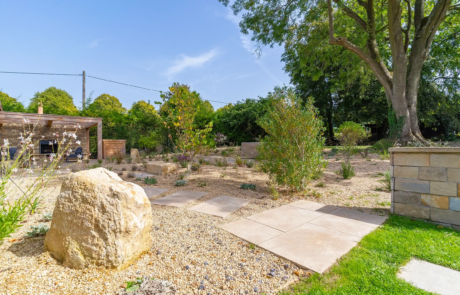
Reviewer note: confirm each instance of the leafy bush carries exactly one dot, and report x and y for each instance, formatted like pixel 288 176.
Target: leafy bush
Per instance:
pixel 195 167
pixel 248 186
pixel 387 180
pixel 349 135
pixel 291 153
pixel 347 171
pixel 180 183
pixel 100 162
pixel 48 216
pixel 183 160
pixel 37 230
pixel 222 163
pixel 131 175
pixel 250 164
pixel 220 139
pixel 381 148
pixel 119 159
pixel 239 161
pixel 150 180
pixel 128 160
pixel 224 153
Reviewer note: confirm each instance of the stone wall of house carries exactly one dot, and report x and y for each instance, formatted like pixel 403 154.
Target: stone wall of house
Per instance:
pixel 426 184
pixel 12 131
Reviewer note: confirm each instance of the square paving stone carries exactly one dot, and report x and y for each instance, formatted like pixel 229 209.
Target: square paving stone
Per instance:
pixel 311 246
pixel 251 231
pixel 154 191
pixel 220 206
pixel 178 199
pixel 285 217
pixel 431 277
pixel 350 221
pixel 313 206
pixel 142 175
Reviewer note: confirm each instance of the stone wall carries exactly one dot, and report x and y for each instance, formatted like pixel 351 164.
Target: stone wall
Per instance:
pixel 426 184
pixel 12 131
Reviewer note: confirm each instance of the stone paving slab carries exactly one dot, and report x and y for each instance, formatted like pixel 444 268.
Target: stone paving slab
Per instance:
pixel 359 216
pixel 251 231
pixel 349 225
pixel 313 206
pixel 431 277
pixel 178 199
pixel 220 206
pixel 312 246
pixel 154 191
pixel 142 175
pixel 285 218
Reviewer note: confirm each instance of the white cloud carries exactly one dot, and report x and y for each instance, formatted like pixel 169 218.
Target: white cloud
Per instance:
pixel 232 17
pixel 189 62
pixel 245 39
pixel 94 44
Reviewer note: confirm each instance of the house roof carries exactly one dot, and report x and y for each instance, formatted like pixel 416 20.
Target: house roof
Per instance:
pixel 48 120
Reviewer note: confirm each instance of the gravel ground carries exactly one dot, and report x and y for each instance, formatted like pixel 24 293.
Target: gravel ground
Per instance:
pixel 190 250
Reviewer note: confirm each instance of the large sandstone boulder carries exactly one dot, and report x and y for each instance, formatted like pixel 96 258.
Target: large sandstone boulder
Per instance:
pixel 135 155
pixel 99 219
pixel 160 168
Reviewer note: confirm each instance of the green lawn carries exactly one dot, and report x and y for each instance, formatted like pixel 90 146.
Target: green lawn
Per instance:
pixel 371 267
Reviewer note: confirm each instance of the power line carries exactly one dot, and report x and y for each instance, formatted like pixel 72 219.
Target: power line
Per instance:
pixel 27 73
pixel 111 81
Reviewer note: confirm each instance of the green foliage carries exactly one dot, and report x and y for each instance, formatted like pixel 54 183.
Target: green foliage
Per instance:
pixel 381 148
pixel 249 164
pixel 150 180
pixel 291 153
pixel 387 180
pixel 55 101
pixel 10 104
pixel 180 183
pixel 37 230
pixel 239 161
pixel 350 134
pixel 48 216
pixel 248 186
pixel 195 167
pixel 132 286
pixel 35 204
pixel 347 171
pixel 222 163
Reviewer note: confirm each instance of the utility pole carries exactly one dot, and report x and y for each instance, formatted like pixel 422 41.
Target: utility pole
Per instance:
pixel 84 90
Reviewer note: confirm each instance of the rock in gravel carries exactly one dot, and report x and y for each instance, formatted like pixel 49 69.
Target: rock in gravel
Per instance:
pixel 101 220
pixel 151 286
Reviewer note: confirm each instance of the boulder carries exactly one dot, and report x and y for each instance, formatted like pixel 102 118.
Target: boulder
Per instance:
pixel 135 154
pixel 160 168
pixel 101 220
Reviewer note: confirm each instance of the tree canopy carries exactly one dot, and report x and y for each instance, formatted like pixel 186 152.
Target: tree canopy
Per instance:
pixel 55 101
pixel 10 104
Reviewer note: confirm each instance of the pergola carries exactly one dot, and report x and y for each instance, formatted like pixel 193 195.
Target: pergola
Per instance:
pixel 50 120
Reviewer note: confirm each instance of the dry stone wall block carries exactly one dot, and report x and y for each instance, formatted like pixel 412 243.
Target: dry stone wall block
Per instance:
pixel 412 210
pixel 445 216
pixel 411 159
pixel 161 168
pixel 443 188
pixel 101 220
pixel 445 160
pixel 406 172
pixel 409 198
pixel 432 173
pixel 441 202
pixel 412 185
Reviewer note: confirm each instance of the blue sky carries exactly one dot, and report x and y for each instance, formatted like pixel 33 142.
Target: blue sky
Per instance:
pixel 145 43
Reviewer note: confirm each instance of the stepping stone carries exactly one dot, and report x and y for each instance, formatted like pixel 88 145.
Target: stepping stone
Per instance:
pixel 220 206
pixel 311 246
pixel 154 191
pixel 313 206
pixel 285 218
pixel 350 221
pixel 178 199
pixel 431 277
pixel 142 175
pixel 251 231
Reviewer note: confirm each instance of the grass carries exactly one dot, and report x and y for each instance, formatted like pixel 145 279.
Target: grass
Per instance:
pixel 371 267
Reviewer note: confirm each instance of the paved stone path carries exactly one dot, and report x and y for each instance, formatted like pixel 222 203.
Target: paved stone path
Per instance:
pixel 431 277
pixel 142 175
pixel 178 199
pixel 220 206
pixel 154 191
pixel 309 234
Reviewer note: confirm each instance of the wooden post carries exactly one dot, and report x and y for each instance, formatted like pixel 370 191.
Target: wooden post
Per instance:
pixel 99 141
pixel 87 142
pixel 84 90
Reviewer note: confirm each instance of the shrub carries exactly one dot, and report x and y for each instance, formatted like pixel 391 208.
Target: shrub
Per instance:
pixel 220 139
pixel 134 168
pixel 37 230
pixel 131 175
pixel 222 163
pixel 250 164
pixel 196 167
pixel 239 161
pixel 291 153
pixel 248 186
pixel 387 180
pixel 48 216
pixel 128 160
pixel 224 153
pixel 123 169
pixel 183 160
pixel 180 183
pixel 99 161
pixel 119 159
pixel 347 171
pixel 382 146
pixel 150 180
pixel 349 135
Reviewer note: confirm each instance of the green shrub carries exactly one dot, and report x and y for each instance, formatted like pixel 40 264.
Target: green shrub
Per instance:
pixel 128 160
pixel 291 153
pixel 347 171
pixel 381 147
pixel 195 167
pixel 48 216
pixel 180 183
pixel 222 163
pixel 387 180
pixel 239 161
pixel 349 135
pixel 150 180
pixel 37 230
pixel 250 164
pixel 248 186
pixel 99 161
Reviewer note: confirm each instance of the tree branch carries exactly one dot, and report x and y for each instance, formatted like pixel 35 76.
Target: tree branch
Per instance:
pixel 409 24
pixel 419 14
pixel 352 14
pixel 435 19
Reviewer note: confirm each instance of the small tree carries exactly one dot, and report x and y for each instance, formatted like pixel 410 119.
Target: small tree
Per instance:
pixel 182 110
pixel 291 153
pixel 349 135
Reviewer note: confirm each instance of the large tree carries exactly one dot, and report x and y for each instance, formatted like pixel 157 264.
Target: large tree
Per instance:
pixel 392 37
pixel 10 104
pixel 55 101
